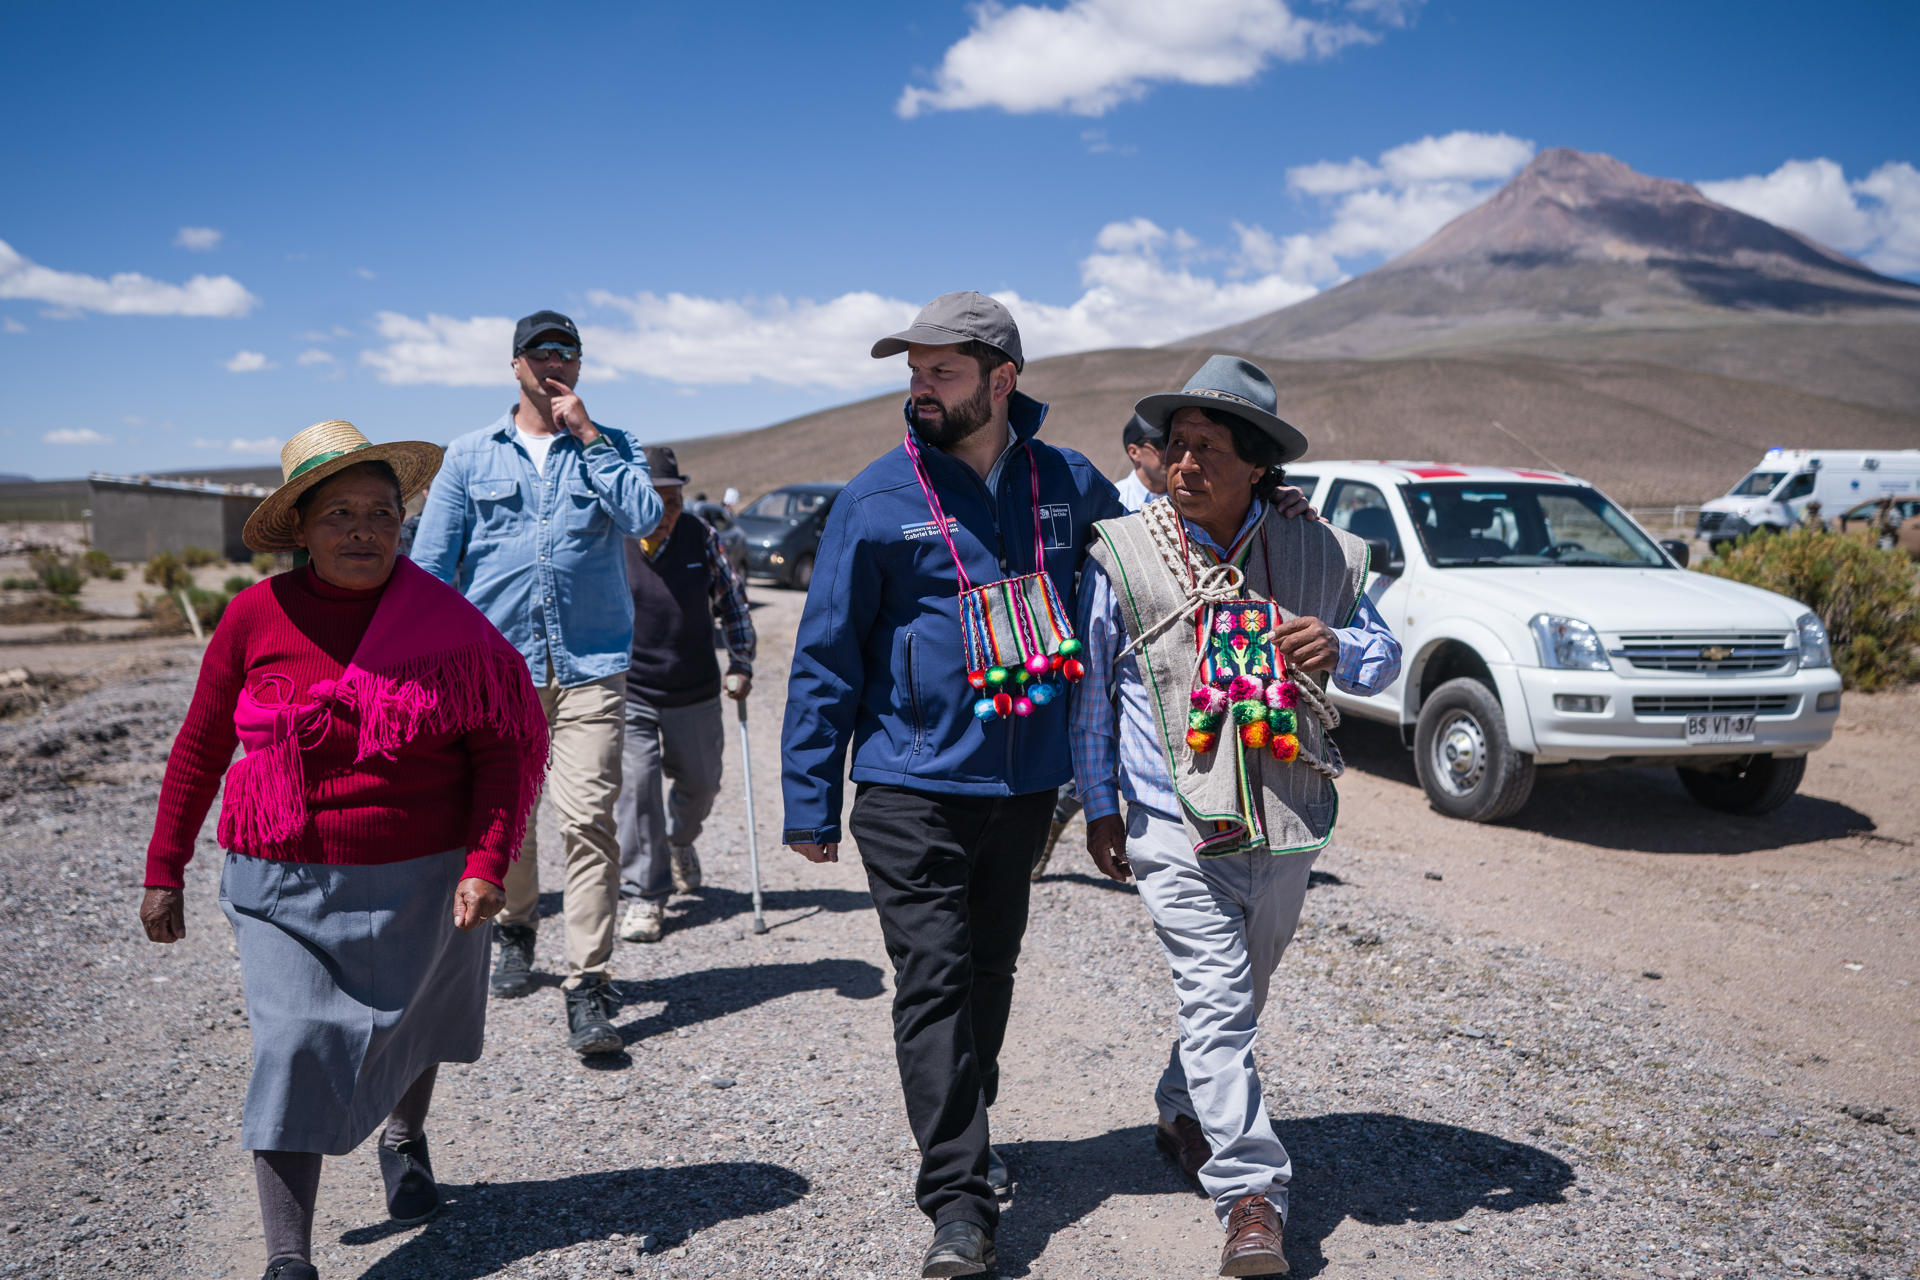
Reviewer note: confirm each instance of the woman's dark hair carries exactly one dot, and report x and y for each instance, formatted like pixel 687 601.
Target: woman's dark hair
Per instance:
pixel 384 470
pixel 1252 445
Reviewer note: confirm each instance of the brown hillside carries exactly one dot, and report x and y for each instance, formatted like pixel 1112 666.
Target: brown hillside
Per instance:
pixel 1646 433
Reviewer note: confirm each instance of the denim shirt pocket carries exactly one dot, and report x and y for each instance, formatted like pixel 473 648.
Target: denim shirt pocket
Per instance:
pixel 581 508
pixel 497 506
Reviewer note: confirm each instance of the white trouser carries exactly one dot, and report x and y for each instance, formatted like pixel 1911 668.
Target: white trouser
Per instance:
pixel 1223 923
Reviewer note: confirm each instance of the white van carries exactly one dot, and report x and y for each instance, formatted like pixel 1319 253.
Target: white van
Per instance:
pixel 1775 494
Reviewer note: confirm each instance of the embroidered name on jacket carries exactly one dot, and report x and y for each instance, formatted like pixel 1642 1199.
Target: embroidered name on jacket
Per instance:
pixel 927 528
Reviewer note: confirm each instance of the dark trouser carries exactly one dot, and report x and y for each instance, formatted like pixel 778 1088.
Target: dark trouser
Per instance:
pixel 949 876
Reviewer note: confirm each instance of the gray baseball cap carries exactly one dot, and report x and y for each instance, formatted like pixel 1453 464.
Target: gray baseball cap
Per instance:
pixel 953 318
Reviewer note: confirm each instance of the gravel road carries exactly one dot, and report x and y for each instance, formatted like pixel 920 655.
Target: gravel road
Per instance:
pixel 1460 1098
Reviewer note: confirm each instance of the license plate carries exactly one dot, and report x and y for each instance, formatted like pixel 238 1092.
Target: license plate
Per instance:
pixel 1719 726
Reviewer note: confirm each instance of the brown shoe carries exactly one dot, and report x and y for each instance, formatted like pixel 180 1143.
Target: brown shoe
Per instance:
pixel 1182 1142
pixel 1253 1240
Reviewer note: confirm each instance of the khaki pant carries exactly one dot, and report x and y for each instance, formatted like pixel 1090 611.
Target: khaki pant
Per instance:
pixel 583 780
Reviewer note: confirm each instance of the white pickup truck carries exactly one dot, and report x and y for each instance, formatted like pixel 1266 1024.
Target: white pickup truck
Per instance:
pixel 1542 627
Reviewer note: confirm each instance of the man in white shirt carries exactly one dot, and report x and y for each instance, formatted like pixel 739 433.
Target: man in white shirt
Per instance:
pixel 1148 479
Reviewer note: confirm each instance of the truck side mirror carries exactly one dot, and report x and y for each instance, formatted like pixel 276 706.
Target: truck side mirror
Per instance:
pixel 1382 559
pixel 1679 550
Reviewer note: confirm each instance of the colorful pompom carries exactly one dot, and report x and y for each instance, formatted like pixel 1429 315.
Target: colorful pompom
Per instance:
pixel 1283 721
pixel 978 679
pixel 1038 665
pixel 1201 741
pixel 1020 675
pixel 983 709
pixel 1070 646
pixel 1285 747
pixel 1054 663
pixel 1209 698
pixel 996 676
pixel 1003 704
pixel 1023 706
pixel 1255 733
pixel 1248 712
pixel 1204 721
pixel 1245 687
pixel 1042 694
pixel 1073 669
pixel 1288 696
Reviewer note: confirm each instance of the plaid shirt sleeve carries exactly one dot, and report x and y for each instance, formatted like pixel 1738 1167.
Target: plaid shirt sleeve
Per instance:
pixel 1369 658
pixel 729 599
pixel 1093 727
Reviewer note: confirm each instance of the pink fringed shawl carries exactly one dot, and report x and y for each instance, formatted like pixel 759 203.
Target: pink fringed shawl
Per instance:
pixel 430 664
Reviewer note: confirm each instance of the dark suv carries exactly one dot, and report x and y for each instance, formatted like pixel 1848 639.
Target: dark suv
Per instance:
pixel 783 529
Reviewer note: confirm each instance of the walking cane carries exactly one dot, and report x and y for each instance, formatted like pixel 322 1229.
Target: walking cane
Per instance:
pixel 753 832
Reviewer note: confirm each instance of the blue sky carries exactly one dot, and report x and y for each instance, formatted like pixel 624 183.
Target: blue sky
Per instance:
pixel 222 223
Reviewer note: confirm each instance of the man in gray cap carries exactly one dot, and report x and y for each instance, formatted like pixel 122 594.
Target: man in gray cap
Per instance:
pixel 951 805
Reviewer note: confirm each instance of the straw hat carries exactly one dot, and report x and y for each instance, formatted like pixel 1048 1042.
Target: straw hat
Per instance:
pixel 324 450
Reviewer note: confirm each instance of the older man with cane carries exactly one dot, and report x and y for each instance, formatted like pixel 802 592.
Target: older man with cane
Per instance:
pixel 1211 624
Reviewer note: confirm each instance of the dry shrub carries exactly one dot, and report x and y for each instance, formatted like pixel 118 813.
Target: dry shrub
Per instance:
pixel 1867 599
pixel 198 557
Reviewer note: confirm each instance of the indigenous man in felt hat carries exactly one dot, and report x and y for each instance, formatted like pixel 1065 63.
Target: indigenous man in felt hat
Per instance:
pixel 953 795
pixel 1226 770
pixel 682 585
pixel 530 516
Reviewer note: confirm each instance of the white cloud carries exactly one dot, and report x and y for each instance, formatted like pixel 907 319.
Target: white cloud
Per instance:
pixel 134 420
pixel 1089 56
pixel 1876 218
pixel 10 325
pixel 125 294
pixel 248 362
pixel 198 239
pixel 314 355
pixel 365 273
pixel 442 350
pixel 75 435
pixel 263 445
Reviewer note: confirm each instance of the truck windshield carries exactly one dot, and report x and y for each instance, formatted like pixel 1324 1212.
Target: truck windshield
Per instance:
pixel 1526 526
pixel 1757 485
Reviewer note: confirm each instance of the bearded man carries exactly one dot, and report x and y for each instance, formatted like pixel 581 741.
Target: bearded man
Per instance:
pixel 953 796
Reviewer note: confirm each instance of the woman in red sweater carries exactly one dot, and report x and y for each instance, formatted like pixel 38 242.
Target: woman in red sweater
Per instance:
pixel 394 748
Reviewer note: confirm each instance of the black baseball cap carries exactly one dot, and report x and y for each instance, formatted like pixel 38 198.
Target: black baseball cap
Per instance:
pixel 1139 431
pixel 539 325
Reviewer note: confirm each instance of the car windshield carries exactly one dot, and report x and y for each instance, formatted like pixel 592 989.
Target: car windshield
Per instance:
pixel 1526 526
pixel 786 504
pixel 1757 485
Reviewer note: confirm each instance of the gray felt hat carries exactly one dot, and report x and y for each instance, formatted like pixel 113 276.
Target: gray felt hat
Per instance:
pixel 1231 385
pixel 953 318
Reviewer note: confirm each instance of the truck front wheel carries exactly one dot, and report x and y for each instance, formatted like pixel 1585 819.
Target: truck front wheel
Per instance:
pixel 1466 762
pixel 1758 784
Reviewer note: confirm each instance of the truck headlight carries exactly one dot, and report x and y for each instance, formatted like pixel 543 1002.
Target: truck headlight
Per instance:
pixel 1814 649
pixel 1569 644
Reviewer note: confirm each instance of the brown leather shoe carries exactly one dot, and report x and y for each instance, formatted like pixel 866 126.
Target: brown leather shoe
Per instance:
pixel 1183 1143
pixel 1253 1240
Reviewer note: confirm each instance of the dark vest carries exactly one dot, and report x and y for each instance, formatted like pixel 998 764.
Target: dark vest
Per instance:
pixel 672 663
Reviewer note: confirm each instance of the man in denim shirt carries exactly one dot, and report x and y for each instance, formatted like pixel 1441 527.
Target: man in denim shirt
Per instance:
pixel 530 515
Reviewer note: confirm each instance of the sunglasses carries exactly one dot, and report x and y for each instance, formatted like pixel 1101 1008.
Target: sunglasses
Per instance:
pixel 552 351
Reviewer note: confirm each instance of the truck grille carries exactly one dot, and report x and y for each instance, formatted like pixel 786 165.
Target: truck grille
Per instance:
pixel 1779 704
pixel 1710 520
pixel 1735 653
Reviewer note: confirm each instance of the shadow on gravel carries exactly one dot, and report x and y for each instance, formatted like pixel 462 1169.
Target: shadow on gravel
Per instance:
pixel 1369 1166
pixel 1091 881
pixel 1637 810
pixel 713 904
pixel 487 1226
pixel 692 998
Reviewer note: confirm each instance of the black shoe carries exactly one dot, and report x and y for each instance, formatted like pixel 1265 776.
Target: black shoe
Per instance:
pixel 590 1019
pixel 958 1249
pixel 999 1178
pixel 290 1269
pixel 412 1194
pixel 513 971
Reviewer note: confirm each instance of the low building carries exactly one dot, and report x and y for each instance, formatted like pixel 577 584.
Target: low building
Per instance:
pixel 137 517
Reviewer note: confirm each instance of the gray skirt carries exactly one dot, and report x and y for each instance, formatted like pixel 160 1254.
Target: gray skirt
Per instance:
pixel 356 981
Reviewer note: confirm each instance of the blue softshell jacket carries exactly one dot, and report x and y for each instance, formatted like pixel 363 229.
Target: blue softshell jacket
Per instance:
pixel 878 664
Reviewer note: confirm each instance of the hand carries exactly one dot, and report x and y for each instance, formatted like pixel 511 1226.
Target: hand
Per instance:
pixel 1107 842
pixel 828 852
pixel 476 901
pixel 163 914
pixel 1291 502
pixel 569 414
pixel 1308 643
pixel 739 685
